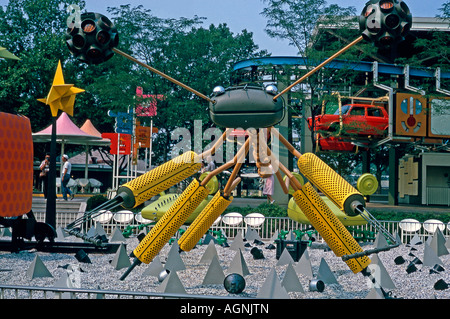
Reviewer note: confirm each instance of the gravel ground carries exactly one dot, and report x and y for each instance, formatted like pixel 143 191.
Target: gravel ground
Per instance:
pixel 101 273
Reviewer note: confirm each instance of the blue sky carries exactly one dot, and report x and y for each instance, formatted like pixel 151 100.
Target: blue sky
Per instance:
pixel 241 14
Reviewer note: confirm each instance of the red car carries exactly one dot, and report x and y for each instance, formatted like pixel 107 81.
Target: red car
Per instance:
pixel 357 119
pixel 332 143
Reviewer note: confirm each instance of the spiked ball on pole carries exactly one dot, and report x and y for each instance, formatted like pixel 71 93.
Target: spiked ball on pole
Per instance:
pixel 385 22
pixel 92 38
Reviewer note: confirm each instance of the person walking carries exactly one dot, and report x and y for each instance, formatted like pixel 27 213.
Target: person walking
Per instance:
pixel 210 165
pixel 65 177
pixel 268 188
pixel 43 175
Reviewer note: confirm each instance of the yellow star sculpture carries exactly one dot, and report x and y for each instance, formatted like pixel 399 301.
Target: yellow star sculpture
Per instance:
pixel 61 95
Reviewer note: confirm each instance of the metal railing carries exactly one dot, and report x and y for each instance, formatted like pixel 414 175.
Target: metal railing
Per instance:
pixel 268 228
pixel 34 292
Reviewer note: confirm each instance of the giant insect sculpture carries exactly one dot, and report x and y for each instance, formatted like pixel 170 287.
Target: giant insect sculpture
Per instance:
pixel 93 38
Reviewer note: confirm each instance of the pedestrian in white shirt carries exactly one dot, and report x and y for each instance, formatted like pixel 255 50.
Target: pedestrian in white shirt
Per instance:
pixel 65 177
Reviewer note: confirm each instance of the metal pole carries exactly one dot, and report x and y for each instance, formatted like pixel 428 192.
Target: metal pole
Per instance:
pixel 321 65
pixel 129 57
pixel 150 148
pixel 87 162
pixel 50 209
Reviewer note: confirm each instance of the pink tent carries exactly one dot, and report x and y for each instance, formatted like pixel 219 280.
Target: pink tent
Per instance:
pixel 90 129
pixel 68 133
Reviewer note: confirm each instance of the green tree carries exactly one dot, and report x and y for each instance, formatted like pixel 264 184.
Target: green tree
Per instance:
pixel 32 30
pixel 297 22
pixel 300 22
pixel 431 51
pixel 198 57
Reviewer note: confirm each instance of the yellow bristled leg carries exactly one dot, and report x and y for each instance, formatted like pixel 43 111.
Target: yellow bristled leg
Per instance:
pixel 203 222
pixel 336 188
pixel 329 227
pixel 171 221
pixel 159 179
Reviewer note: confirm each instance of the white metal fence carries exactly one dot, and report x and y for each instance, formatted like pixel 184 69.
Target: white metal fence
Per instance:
pixel 34 292
pixel 266 228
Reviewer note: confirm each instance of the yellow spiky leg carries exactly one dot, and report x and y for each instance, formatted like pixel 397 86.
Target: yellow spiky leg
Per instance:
pixel 203 222
pixel 144 187
pixel 217 205
pixel 164 176
pixel 341 241
pixel 329 227
pixel 158 179
pixel 336 188
pixel 168 225
pixel 324 220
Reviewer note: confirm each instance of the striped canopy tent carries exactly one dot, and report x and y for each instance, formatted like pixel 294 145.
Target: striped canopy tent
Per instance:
pixel 90 129
pixel 68 133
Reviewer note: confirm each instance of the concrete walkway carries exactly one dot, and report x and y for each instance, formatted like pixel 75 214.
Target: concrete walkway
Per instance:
pixel 401 208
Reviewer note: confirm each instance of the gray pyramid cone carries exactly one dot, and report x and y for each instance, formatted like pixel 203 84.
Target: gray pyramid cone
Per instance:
pixel 290 281
pixel 121 259
pixel 303 265
pixel 415 240
pixel 208 238
pixel 271 288
pixel 375 293
pixel 398 239
pixel 74 272
pixel 63 282
pixel 380 274
pixel 174 262
pixel 172 284
pixel 209 253
pixel 154 268
pixel 238 242
pixel 117 236
pixel 100 231
pixel 251 234
pixel 92 232
pixel 438 243
pixel 37 269
pixel 285 258
pixel 430 257
pixel 7 232
pixel 238 265
pixel 325 274
pixel 215 274
pixel 275 236
pixel 61 234
pixel 380 241
pixel 290 235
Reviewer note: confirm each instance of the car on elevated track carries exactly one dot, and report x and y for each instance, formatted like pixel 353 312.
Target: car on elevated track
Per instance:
pixel 364 120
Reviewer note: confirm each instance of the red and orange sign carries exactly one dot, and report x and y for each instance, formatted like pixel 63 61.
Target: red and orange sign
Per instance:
pixel 119 141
